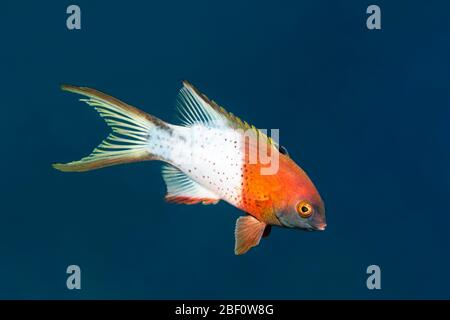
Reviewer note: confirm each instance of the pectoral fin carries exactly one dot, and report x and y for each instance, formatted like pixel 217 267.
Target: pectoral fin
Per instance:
pixel 248 233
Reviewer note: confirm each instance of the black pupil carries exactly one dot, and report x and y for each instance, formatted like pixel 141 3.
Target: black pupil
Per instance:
pixel 305 209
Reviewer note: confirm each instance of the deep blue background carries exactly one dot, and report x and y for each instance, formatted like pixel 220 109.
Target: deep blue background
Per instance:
pixel 365 113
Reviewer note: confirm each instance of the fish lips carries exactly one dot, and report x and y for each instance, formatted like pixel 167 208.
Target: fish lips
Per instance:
pixel 317 223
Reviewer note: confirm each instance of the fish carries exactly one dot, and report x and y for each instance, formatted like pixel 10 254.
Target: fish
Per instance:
pixel 211 155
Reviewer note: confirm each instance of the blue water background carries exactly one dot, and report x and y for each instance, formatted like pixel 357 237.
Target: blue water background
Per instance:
pixel 365 113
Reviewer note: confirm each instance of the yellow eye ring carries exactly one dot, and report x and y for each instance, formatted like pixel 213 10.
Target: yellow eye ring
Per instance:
pixel 304 209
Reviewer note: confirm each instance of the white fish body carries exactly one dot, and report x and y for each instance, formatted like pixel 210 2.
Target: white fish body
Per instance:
pixel 204 157
pixel 211 157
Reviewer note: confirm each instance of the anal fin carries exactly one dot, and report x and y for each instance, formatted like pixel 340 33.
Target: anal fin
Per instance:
pixel 182 189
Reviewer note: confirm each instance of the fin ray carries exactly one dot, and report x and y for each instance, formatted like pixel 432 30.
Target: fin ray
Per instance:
pixel 196 108
pixel 128 141
pixel 182 189
pixel 248 233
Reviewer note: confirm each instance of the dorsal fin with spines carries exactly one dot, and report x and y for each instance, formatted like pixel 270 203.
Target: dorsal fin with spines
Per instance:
pixel 196 108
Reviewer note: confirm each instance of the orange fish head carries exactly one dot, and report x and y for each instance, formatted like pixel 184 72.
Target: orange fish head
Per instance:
pixel 301 205
pixel 303 212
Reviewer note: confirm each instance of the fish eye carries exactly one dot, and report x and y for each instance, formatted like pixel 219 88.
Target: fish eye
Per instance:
pixel 304 209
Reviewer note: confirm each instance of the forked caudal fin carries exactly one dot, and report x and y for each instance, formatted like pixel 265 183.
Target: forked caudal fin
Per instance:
pixel 129 141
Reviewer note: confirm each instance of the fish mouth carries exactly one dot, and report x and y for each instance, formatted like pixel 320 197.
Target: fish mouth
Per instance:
pixel 318 223
pixel 319 227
